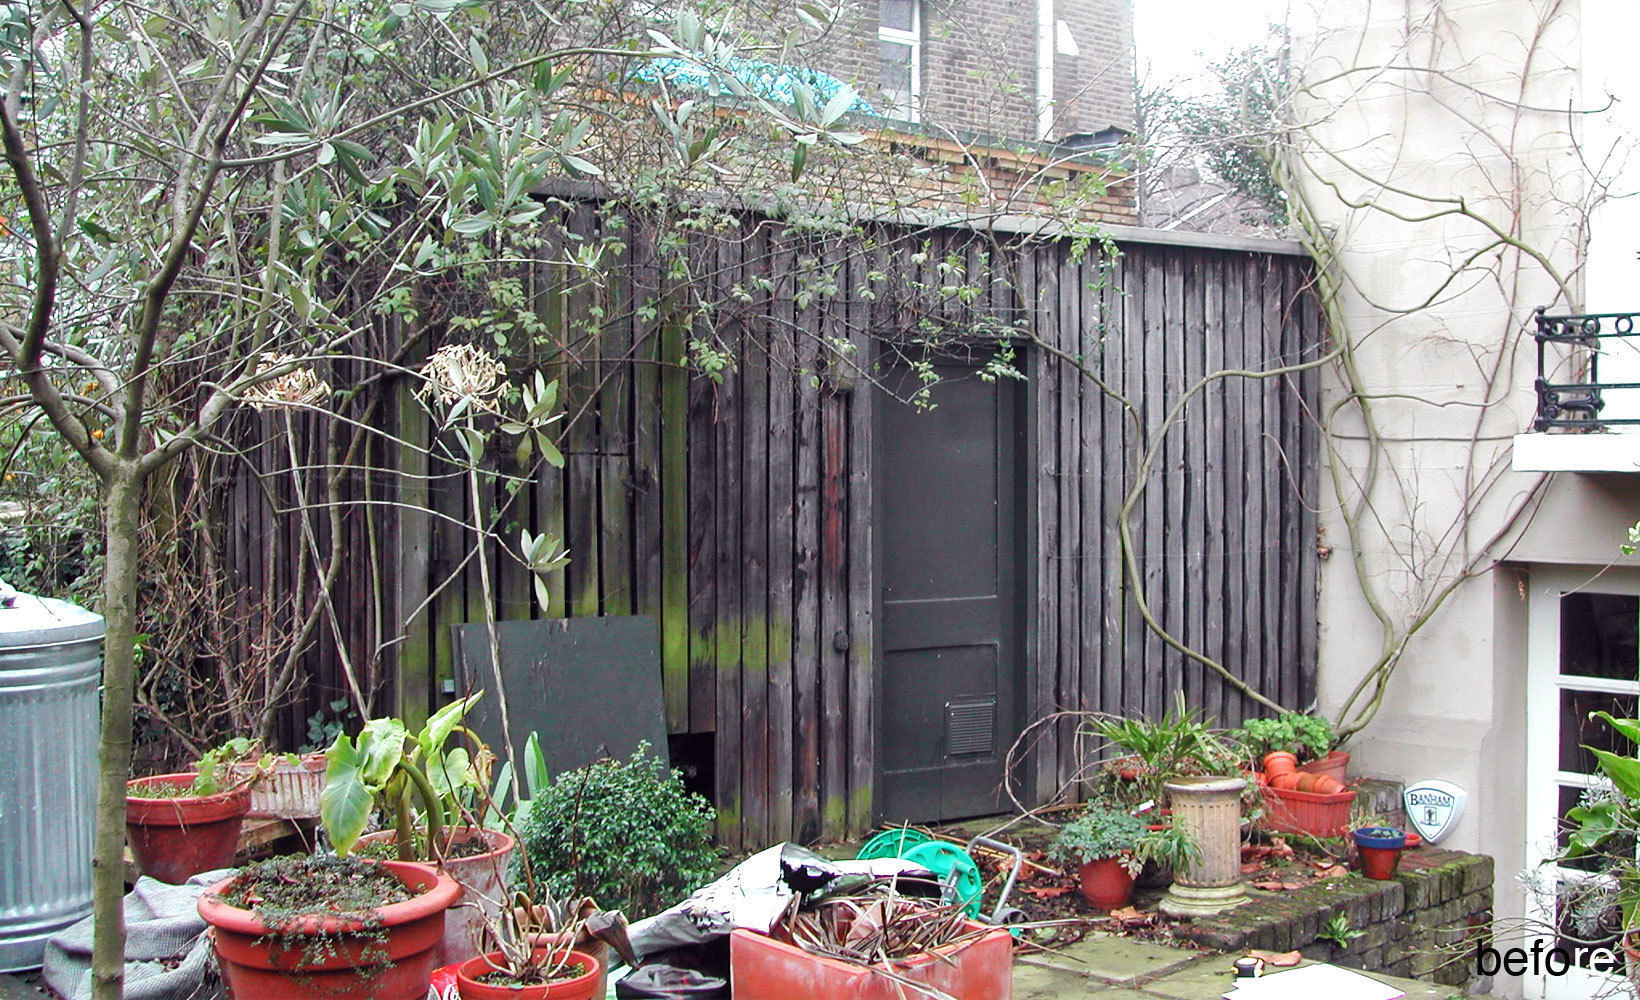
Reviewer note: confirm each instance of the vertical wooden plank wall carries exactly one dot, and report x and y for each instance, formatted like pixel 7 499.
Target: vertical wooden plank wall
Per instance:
pixel 737 510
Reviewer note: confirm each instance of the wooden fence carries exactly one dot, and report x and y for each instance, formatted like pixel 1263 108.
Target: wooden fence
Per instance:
pixel 736 508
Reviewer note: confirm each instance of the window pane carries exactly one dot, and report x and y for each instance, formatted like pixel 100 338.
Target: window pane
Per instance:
pixel 895 13
pixel 896 71
pixel 1577 730
pixel 1597 635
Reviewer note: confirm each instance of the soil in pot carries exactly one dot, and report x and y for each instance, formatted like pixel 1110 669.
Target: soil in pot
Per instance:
pixel 478 860
pixel 479 979
pixel 303 928
pixel 1106 883
pixel 175 835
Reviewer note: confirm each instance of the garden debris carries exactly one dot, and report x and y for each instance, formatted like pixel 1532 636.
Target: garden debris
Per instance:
pixel 1131 916
pixel 757 892
pixel 876 924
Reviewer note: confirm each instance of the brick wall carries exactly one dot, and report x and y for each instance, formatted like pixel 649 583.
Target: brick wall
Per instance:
pixel 1424 923
pixel 979 64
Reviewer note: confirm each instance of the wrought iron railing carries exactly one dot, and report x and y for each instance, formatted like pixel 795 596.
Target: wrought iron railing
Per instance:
pixel 1578 403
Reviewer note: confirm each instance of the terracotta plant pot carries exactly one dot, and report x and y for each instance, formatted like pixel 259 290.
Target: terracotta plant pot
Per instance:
pixel 1286 782
pixel 480 877
pixel 1279 762
pixel 392 959
pixel 1306 782
pixel 980 967
pixel 1106 884
pixel 173 839
pixel 587 945
pixel 1335 765
pixel 582 987
pixel 1380 848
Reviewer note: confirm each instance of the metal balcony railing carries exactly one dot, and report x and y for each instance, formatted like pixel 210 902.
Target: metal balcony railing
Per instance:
pixel 1578 404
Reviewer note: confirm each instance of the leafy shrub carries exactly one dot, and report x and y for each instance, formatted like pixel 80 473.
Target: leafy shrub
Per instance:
pixel 626 833
pixel 1101 832
pixel 1107 832
pixel 1305 736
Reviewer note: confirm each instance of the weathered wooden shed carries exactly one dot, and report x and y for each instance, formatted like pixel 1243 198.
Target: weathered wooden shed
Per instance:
pixel 861 602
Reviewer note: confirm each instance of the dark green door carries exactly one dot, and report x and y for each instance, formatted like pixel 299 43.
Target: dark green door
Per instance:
pixel 948 543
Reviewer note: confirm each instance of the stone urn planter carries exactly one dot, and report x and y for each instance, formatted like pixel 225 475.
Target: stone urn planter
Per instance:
pixel 1209 810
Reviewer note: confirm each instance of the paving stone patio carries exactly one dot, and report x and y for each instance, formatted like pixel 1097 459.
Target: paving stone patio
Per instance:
pixel 1118 968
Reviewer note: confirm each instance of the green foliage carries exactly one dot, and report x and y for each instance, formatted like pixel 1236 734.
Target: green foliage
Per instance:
pixel 211 772
pixel 386 766
pixel 1339 931
pixel 627 833
pixel 1307 737
pixel 1101 832
pixel 1608 824
pixel 1106 831
pixel 1181 743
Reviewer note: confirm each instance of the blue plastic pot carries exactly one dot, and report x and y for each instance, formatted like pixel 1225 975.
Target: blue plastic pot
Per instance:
pixel 1386 838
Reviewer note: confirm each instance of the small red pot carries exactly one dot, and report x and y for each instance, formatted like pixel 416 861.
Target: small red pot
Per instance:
pixel 259 963
pixel 1279 762
pixel 582 987
pixel 174 839
pixel 1106 884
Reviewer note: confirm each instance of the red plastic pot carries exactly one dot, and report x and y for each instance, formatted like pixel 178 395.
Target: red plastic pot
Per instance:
pixel 174 839
pixel 1309 813
pixel 582 987
pixel 1106 884
pixel 762 968
pixel 1380 849
pixel 1336 765
pixel 259 963
pixel 480 877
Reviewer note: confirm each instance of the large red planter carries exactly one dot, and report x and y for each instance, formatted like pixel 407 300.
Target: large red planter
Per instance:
pixel 1335 765
pixel 583 987
pixel 259 963
pixel 480 877
pixel 1308 813
pixel 173 839
pixel 1106 883
pixel 765 969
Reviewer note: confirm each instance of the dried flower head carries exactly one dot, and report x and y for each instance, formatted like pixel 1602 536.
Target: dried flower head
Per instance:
pixel 462 371
pixel 297 387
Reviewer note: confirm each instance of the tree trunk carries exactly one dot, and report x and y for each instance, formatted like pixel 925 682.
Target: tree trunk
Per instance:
pixel 123 501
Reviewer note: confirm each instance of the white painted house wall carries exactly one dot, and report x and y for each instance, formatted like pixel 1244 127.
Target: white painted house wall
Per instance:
pixel 1458 703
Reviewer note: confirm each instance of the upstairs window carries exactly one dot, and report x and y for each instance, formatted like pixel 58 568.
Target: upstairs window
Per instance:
pixel 899 48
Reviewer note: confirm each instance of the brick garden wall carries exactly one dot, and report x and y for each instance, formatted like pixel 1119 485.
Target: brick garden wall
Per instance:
pixel 1424 924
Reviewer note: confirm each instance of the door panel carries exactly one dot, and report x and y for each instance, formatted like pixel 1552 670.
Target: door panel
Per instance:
pixel 948 550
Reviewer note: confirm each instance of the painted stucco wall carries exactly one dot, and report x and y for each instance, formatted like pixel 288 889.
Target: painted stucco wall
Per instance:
pixel 1449 372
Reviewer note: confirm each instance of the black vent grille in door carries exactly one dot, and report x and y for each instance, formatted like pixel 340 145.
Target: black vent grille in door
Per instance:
pixel 970 727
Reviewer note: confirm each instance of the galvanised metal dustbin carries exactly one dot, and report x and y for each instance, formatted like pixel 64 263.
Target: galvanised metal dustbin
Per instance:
pixel 50 663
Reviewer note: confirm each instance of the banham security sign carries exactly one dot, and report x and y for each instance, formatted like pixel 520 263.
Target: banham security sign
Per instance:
pixel 1434 808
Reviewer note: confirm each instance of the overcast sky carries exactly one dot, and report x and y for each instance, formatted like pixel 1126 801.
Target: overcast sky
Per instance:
pixel 1175 38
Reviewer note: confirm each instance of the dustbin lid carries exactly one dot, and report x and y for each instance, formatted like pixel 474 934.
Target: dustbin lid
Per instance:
pixel 26 620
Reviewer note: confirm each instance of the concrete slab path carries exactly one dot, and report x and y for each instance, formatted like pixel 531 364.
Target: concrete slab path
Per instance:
pixel 1117 968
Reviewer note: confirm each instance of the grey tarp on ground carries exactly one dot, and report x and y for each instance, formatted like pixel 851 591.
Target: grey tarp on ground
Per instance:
pixel 166 954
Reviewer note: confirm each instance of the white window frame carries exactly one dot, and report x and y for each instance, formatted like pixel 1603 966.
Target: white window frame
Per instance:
pixel 912 39
pixel 1543 775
